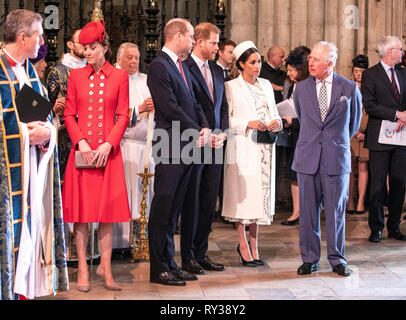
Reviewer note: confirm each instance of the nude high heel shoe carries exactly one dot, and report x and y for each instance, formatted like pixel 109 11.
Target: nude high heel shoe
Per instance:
pixel 114 287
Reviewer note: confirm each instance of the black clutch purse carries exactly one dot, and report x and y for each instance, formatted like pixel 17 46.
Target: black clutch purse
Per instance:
pixel 267 137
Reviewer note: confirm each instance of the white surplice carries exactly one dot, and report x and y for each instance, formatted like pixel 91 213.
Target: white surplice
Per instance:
pixel 133 148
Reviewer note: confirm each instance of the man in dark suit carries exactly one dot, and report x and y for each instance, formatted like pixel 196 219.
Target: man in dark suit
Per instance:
pixel 208 87
pixel 225 57
pixel 383 89
pixel 329 110
pixel 176 111
pixel 271 70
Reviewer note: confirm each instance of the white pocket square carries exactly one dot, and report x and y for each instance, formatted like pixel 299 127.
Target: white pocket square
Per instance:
pixel 343 98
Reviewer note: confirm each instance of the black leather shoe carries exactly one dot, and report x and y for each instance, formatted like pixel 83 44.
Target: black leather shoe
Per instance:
pixel 342 270
pixel 376 236
pixel 166 278
pixel 184 275
pixel 290 222
pixel 307 268
pixel 208 264
pixel 259 262
pixel 360 212
pixel 192 266
pixel 351 211
pixel 397 235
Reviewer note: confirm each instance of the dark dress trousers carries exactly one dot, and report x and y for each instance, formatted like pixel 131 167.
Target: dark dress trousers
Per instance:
pixel 176 110
pixel 195 228
pixel 381 103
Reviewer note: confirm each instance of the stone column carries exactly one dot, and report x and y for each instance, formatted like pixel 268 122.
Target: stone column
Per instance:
pixel 266 25
pixel 243 19
pixel 299 16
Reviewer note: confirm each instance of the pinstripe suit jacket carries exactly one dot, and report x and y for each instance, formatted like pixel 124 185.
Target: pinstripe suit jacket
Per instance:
pixel 327 141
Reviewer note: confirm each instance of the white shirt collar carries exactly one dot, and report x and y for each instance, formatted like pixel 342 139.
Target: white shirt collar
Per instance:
pixel 171 54
pixel 72 62
pixel 328 80
pixel 271 65
pixel 198 61
pixel 386 67
pixel 222 67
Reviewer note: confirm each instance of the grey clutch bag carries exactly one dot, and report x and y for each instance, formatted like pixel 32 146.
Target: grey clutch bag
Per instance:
pixel 80 163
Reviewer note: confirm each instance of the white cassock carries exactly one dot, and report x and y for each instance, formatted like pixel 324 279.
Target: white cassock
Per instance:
pixel 133 148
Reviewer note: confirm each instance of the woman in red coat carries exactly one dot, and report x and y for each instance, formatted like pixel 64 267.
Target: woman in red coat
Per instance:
pixel 96 116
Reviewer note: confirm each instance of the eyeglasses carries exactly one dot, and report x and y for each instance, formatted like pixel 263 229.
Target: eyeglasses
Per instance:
pixel 401 49
pixel 311 58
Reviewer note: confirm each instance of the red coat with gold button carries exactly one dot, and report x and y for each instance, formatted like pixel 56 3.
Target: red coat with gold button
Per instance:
pixel 96 109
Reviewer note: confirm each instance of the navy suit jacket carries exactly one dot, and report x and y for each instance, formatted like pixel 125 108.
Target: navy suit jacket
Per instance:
pixel 216 112
pixel 380 102
pixel 173 101
pixel 327 141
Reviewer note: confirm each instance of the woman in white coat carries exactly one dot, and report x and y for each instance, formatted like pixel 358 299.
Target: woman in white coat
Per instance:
pixel 249 174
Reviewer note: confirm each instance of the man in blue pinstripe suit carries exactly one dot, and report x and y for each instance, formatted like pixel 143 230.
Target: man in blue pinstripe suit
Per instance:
pixel 329 111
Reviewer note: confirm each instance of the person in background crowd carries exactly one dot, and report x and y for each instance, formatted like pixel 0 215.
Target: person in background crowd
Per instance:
pixel 384 98
pixel 96 117
pixel 298 70
pixel 358 152
pixel 329 109
pixel 225 57
pixel 249 173
pixel 39 62
pixel 133 145
pixel 57 86
pixel 271 70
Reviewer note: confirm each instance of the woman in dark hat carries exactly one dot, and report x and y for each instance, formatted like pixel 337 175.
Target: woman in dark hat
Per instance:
pixel 298 70
pixel 96 117
pixel 358 152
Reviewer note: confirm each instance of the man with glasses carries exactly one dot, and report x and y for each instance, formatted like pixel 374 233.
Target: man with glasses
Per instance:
pixel 329 110
pixel 383 89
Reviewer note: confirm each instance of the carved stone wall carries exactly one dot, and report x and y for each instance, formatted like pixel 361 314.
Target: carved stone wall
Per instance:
pixel 352 25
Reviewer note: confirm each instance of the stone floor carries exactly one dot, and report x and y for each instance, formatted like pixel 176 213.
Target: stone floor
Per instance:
pixel 379 270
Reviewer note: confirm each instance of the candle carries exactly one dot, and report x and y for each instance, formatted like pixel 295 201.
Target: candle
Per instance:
pixel 149 140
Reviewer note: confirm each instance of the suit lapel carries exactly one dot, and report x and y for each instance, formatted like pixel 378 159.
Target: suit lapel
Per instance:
pixel 312 89
pixel 400 79
pixel 176 71
pixel 335 93
pixel 218 82
pixel 384 76
pixel 194 69
pixel 247 94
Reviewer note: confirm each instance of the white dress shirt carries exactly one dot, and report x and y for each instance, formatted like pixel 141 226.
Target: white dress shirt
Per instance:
pixel 329 85
pixel 172 55
pixel 389 73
